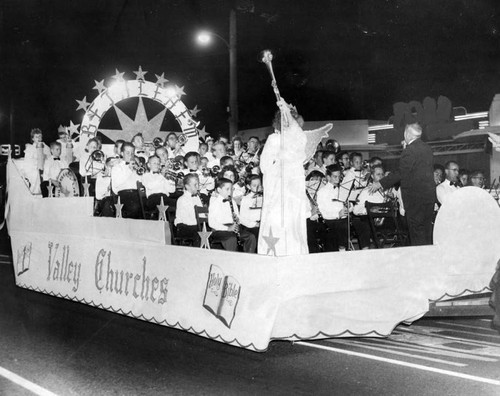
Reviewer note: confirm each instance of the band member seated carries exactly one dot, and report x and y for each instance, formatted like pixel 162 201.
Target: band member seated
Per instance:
pixel 185 215
pixel 203 149
pixel 34 158
pixel 333 210
pixel 86 165
pixel 450 184
pixel 477 179
pixel 327 158
pixel 140 151
pixel 356 173
pixel 344 160
pixel 251 206
pixel 316 228
pixel 124 180
pixel 226 161
pixel 254 150
pixel 157 186
pixel 223 218
pixel 206 181
pixel 66 146
pixel 104 200
pixel 237 147
pixel 438 174
pixel 219 151
pixel 463 177
pixel 229 172
pixel 51 169
pixel 174 148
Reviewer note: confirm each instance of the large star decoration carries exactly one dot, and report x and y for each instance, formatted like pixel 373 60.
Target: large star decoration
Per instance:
pixel 179 91
pixel 194 111
pixel 162 210
pixel 202 133
pixel 271 242
pixel 72 129
pixel 140 74
pixel 149 128
pixel 204 235
pixel 99 86
pixel 119 207
pixel 82 104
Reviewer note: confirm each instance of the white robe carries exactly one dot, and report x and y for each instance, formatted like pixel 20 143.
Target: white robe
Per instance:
pixel 291 229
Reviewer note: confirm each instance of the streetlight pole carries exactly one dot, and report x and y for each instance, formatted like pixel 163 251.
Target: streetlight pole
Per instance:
pixel 233 77
pixel 204 39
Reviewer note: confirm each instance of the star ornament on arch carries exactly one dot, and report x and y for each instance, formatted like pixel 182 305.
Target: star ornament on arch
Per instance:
pixel 179 91
pixel 161 80
pixel 72 129
pixel 99 86
pixel 202 133
pixel 271 241
pixel 82 104
pixel 194 111
pixel 140 74
pixel 118 76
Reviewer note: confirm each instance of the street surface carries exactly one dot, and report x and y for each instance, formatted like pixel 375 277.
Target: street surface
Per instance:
pixel 53 346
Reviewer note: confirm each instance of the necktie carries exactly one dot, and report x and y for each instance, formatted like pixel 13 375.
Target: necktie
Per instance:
pixel 57 159
pixel 454 184
pixel 226 199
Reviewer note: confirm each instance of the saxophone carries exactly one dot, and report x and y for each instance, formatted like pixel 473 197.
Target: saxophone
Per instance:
pixel 236 220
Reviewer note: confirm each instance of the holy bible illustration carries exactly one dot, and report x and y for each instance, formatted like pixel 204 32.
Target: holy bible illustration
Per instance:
pixel 221 295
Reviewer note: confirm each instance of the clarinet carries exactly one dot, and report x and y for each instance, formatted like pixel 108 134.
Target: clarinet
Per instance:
pixel 236 221
pixel 315 208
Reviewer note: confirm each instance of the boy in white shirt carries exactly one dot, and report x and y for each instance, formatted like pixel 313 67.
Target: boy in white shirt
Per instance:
pixel 124 183
pixel 157 186
pixel 104 199
pixel 51 169
pixel 185 216
pixel 251 206
pixel 223 218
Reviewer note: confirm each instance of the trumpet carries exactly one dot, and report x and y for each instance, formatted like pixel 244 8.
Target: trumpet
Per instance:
pixel 157 142
pixel 138 166
pixel 215 170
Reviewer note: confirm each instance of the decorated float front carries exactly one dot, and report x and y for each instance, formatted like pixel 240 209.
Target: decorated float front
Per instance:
pixel 130 267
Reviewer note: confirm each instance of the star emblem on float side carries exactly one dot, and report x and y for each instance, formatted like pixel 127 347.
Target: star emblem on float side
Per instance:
pixel 202 133
pixel 99 86
pixel 194 111
pixel 118 76
pixel 118 207
pixel 161 80
pixel 73 128
pixel 204 235
pixel 179 91
pixel 162 210
pixel 82 104
pixel 140 74
pixel 271 242
pixel 140 123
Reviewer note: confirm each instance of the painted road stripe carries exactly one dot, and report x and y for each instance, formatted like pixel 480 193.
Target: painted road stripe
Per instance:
pixel 469 327
pixel 401 363
pixel 389 351
pixel 36 389
pixel 433 350
pixel 430 333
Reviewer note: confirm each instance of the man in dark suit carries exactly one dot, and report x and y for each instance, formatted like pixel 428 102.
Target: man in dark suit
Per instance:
pixel 416 174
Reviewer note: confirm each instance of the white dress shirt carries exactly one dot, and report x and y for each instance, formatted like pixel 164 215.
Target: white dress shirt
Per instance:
pixel 207 183
pixel 184 213
pixel 52 168
pixel 172 153
pixel 328 202
pixel 359 178
pixel 213 162
pixel 251 210
pixel 123 178
pixel 219 213
pixel 444 190
pixel 365 196
pixel 156 183
pixel 102 186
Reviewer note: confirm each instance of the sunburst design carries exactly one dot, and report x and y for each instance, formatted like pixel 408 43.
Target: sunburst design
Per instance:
pixel 140 124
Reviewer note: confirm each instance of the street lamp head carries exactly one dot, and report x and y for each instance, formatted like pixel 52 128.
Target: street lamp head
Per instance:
pixel 204 38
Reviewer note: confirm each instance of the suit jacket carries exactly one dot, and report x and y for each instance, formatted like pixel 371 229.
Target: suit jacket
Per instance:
pixel 416 174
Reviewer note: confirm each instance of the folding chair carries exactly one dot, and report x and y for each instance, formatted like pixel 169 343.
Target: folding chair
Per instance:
pixel 384 225
pixel 175 239
pixel 201 213
pixel 146 214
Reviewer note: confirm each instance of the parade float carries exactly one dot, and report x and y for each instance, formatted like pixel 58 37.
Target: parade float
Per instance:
pixel 131 268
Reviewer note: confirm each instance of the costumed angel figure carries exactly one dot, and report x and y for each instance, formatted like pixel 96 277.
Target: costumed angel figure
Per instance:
pixel 285 204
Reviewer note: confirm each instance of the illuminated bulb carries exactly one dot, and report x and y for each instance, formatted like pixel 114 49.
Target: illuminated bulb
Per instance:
pixel 204 38
pixel 171 91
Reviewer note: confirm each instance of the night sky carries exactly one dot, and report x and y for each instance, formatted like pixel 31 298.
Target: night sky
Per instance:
pixel 333 59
